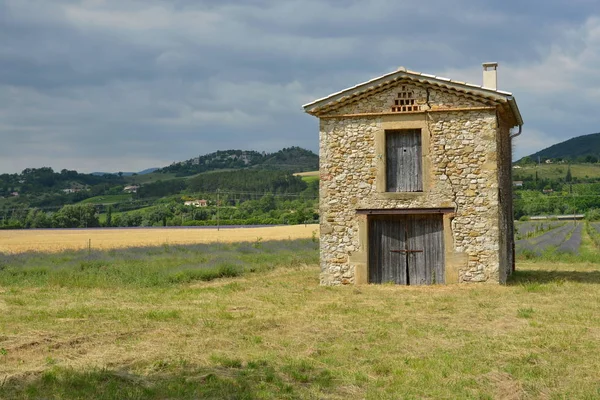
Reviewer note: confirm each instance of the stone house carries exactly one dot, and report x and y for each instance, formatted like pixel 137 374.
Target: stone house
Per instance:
pixel 416 180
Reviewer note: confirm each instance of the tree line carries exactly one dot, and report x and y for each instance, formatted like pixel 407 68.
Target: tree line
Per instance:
pixel 234 197
pixel 566 199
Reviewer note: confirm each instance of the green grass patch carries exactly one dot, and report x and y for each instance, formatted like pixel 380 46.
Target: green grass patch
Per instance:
pixel 151 266
pixel 107 199
pixel 149 178
pixel 309 179
pixel 256 380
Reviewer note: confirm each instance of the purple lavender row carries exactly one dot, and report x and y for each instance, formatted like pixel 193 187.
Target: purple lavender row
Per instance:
pixel 527 227
pixel 538 244
pixel 572 244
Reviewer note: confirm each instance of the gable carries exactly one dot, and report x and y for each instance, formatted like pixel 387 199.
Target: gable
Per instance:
pixel 431 93
pixel 405 97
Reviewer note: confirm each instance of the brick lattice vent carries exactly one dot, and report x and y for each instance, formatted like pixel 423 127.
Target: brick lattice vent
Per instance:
pixel 405 101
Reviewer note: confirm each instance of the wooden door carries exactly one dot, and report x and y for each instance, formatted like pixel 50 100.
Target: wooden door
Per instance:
pixel 406 249
pixel 403 161
pixel 385 235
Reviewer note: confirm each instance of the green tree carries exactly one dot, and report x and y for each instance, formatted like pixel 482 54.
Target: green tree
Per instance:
pixel 108 216
pixel 159 215
pixel 267 203
pixel 37 219
pixel 76 216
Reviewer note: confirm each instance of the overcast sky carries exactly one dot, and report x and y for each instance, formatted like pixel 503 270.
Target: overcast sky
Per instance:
pixel 123 85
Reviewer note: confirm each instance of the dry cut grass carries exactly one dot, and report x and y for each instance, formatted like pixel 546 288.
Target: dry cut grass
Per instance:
pixel 308 173
pixel 55 240
pixel 280 335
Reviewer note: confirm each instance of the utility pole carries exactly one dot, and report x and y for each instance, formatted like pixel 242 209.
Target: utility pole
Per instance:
pixel 218 209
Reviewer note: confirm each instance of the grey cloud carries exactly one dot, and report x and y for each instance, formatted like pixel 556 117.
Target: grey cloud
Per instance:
pixel 128 82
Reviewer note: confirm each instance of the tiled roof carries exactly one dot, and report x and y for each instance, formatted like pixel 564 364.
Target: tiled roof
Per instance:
pixel 403 73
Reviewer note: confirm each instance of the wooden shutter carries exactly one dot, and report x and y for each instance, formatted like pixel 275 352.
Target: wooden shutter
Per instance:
pixel 404 171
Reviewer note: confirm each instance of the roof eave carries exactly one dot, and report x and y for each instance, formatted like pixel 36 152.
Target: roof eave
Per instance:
pixel 515 109
pixel 332 97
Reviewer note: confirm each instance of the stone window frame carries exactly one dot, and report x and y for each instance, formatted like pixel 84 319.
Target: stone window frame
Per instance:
pixel 401 122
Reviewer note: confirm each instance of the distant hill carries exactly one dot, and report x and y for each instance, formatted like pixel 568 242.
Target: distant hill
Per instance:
pixel 144 172
pixel 147 171
pixel 584 148
pixel 294 159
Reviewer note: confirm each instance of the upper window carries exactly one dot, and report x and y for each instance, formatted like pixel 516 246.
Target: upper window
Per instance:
pixel 404 167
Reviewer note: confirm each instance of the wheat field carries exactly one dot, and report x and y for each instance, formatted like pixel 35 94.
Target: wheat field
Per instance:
pixel 55 240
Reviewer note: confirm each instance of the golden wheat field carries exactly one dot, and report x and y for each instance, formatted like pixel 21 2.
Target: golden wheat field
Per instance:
pixel 18 241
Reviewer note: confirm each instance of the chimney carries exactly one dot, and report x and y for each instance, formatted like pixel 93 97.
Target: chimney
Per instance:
pixel 490 78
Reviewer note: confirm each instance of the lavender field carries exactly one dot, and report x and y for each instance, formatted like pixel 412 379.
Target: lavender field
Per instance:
pixel 528 229
pixel 537 237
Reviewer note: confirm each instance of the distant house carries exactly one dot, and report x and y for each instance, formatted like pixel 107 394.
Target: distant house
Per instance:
pixel 547 190
pixel 15 194
pixel 131 189
pixel 548 161
pixel 517 167
pixel 71 190
pixel 518 183
pixel 245 158
pixel 196 203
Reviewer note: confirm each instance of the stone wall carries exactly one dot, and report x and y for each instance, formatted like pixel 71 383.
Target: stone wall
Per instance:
pixel 462 161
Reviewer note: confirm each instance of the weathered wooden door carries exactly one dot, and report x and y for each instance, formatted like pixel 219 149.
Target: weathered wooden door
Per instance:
pixel 404 171
pixel 406 249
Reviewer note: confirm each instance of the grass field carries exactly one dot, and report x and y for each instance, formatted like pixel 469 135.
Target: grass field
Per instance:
pixel 557 171
pixel 102 217
pixel 107 199
pixel 159 176
pixel 156 323
pixel 308 176
pixel 55 240
pixel 149 178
